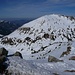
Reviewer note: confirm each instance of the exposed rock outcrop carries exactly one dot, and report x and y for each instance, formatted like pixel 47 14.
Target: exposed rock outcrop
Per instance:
pixel 18 54
pixel 3 54
pixel 69 70
pixel 3 57
pixel 72 58
pixel 66 52
pixel 53 59
pixel 3 51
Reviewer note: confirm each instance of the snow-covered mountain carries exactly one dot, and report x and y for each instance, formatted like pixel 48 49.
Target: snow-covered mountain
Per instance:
pixel 51 39
pixel 47 35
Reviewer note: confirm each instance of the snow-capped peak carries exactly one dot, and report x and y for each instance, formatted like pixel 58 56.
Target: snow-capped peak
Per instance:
pixel 41 37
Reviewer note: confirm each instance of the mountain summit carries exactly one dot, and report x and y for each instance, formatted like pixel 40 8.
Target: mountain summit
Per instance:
pixel 47 35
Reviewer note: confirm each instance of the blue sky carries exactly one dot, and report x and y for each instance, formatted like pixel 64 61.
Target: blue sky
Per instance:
pixel 35 8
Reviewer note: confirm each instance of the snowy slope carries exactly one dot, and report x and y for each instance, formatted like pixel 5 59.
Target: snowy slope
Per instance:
pixel 18 66
pixel 47 35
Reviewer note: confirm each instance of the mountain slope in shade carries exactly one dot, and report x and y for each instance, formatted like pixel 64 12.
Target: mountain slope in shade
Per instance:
pixel 47 35
pixel 7 27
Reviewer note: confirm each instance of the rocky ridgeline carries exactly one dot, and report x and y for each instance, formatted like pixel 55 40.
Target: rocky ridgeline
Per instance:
pixel 4 57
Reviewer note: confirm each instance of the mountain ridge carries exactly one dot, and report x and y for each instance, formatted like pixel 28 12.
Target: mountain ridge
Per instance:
pixel 41 37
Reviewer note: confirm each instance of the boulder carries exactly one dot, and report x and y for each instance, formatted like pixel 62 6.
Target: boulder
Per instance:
pixel 3 65
pixel 53 59
pixel 72 58
pixel 18 54
pixel 2 59
pixel 69 70
pixel 3 51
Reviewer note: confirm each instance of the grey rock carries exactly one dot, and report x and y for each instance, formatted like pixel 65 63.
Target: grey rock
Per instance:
pixel 18 54
pixel 53 59
pixel 72 58
pixel 2 59
pixel 3 51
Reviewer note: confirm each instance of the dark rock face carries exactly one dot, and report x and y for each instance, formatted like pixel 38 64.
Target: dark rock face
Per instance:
pixel 3 58
pixel 18 54
pixel 3 51
pixel 53 59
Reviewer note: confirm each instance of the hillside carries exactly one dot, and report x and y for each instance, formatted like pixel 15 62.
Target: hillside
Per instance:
pixel 47 35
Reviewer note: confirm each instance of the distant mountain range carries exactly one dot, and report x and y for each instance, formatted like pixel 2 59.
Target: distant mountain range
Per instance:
pixel 21 21
pixel 6 27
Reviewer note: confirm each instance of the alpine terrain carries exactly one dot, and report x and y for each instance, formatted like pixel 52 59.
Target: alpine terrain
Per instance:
pixel 47 45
